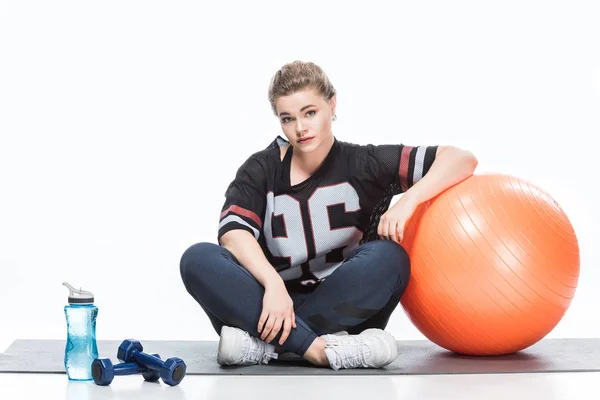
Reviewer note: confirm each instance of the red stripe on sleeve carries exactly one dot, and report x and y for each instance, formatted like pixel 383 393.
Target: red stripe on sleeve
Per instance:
pixel 403 170
pixel 244 213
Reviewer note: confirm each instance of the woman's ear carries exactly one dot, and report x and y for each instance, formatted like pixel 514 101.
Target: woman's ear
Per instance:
pixel 333 103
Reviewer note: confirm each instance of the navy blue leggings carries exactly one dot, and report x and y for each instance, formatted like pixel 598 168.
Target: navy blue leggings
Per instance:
pixel 362 293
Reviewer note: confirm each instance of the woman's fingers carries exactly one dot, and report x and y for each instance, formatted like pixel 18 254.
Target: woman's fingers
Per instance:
pixel 261 321
pixel 386 229
pixel 268 327
pixel 275 330
pixel 394 231
pixel 287 327
pixel 399 233
pixel 391 229
pixel 382 228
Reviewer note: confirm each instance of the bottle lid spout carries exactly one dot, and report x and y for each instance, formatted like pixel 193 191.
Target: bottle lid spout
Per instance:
pixel 79 296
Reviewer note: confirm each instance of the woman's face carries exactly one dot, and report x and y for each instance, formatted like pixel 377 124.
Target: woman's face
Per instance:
pixel 305 119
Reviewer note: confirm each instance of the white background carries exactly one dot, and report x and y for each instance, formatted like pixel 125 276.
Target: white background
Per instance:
pixel 122 122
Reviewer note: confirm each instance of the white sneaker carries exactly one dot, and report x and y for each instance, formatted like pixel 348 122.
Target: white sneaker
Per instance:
pixel 237 347
pixel 372 348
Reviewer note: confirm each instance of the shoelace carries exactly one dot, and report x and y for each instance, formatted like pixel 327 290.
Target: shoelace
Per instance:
pixel 257 351
pixel 350 351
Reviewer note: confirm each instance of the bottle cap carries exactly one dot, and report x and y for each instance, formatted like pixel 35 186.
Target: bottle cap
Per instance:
pixel 78 296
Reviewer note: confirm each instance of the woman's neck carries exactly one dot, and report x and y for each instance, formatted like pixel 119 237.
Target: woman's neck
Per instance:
pixel 310 163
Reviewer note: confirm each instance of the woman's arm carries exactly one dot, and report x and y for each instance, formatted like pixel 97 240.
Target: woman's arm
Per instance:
pixel 451 166
pixel 246 249
pixel 278 306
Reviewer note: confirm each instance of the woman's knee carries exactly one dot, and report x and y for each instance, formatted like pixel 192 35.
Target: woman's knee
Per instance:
pixel 197 257
pixel 393 260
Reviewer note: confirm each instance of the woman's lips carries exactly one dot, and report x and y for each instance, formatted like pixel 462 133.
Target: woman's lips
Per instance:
pixel 305 140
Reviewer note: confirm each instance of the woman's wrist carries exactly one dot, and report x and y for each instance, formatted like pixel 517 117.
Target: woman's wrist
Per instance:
pixel 412 196
pixel 273 280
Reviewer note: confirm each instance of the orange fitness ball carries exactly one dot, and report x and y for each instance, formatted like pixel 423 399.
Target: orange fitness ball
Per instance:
pixel 494 266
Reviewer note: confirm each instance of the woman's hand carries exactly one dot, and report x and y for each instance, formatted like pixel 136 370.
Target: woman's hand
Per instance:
pixel 278 311
pixel 392 223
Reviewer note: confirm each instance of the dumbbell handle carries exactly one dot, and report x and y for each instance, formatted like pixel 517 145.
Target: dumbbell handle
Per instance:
pixel 130 368
pixel 148 360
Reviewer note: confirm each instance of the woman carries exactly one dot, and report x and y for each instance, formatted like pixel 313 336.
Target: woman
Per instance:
pixel 309 259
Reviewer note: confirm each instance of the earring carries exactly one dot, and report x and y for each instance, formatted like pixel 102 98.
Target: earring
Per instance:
pixel 334 118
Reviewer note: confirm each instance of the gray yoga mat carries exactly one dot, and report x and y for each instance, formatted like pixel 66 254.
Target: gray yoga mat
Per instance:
pixel 416 357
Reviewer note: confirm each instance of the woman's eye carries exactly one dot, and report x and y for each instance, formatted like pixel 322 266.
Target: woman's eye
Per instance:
pixel 285 120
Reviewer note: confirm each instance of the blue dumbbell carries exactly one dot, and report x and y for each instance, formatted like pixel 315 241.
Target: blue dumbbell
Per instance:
pixel 103 371
pixel 171 370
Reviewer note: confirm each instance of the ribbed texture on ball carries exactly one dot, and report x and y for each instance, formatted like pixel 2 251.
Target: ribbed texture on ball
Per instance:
pixel 495 265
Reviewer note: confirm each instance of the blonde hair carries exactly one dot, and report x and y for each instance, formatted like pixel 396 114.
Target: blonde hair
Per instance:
pixel 297 76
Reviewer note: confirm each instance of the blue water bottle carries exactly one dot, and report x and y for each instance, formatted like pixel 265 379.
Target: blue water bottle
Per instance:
pixel 81 348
